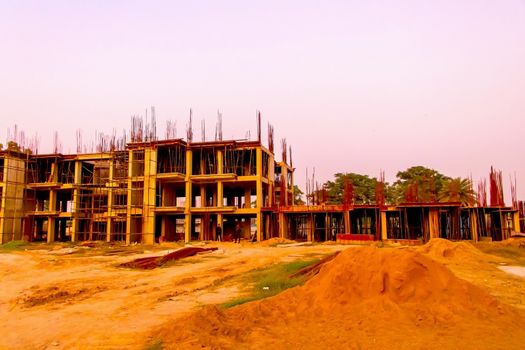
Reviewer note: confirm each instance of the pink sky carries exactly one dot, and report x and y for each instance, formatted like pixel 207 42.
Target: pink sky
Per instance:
pixel 354 86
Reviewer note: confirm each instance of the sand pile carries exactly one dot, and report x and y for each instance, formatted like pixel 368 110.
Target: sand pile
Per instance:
pixel 365 298
pixel 514 242
pixel 454 252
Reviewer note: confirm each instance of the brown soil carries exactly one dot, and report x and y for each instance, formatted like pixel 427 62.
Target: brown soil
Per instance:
pixel 365 298
pixel 76 297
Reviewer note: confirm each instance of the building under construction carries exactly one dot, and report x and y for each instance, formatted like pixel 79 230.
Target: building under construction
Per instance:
pixel 149 190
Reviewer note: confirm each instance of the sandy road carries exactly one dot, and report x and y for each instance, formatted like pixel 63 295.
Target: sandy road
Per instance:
pixel 73 301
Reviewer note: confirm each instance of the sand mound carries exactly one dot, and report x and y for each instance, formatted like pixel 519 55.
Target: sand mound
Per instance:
pixel 364 298
pixel 452 252
pixel 514 242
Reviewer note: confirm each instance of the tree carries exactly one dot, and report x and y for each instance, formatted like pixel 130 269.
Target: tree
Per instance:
pixel 13 146
pixel 363 188
pixel 458 190
pixel 298 195
pixel 418 184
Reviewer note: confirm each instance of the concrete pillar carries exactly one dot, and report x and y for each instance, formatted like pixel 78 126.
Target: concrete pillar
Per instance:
pixel 346 220
pixel 310 224
pixel 282 226
pixel 433 217
pixel 50 229
pixel 220 162
pixel 187 208
pixel 473 218
pixel 259 195
pixel 326 227
pixel 384 232
pixel 76 198
pixel 220 222
pixel 149 196
pixel 130 192
pixel 220 193
pixel 247 197
pixel 204 199
pixel 516 221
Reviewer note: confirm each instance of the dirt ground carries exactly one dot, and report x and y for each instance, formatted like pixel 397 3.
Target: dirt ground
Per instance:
pixel 74 297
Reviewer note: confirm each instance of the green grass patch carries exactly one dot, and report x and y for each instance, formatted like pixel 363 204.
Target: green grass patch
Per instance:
pixel 13 246
pixel 271 281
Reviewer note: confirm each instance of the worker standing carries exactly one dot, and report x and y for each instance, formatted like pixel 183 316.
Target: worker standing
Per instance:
pixel 237 234
pixel 218 233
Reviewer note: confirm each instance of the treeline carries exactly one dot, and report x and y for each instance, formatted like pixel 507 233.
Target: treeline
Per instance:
pixel 416 184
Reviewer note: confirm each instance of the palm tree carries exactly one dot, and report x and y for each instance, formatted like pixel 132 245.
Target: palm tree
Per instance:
pixel 458 190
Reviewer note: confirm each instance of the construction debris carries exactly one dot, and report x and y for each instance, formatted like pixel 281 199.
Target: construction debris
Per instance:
pixel 157 261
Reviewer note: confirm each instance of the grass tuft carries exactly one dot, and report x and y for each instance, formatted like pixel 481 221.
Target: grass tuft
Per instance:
pixel 271 281
pixel 13 245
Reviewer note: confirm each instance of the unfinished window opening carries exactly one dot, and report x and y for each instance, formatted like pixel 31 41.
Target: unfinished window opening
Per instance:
pixel 39 230
pixel 319 221
pixel 137 193
pixel 240 195
pixel 363 221
pixel 277 175
pixel 40 170
pixel 120 166
pixel 99 231
pixel 171 228
pixel 120 198
pixel 118 230
pixel 265 164
pixel 41 201
pixel 62 230
pixel 495 226
pixel 413 223
pixel 465 225
pixel 66 172
pixel 64 202
pixel 246 222
pixel 1 169
pixel 299 227
pixel 100 202
pixel 87 177
pixel 196 200
pixel 204 161
pixel 449 224
pixel 137 166
pixel 394 225
pixel 240 162
pixel 85 201
pixel 136 229
pixel 101 173
pixel 171 159
pixel 172 194
pixel 336 225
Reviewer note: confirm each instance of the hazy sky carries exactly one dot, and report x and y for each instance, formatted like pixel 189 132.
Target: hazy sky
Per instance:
pixel 354 86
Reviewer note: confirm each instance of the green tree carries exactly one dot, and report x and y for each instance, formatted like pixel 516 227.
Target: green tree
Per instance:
pixel 13 146
pixel 458 190
pixel 364 188
pixel 298 195
pixel 419 184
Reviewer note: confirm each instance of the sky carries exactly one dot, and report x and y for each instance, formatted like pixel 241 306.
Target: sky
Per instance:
pixel 354 86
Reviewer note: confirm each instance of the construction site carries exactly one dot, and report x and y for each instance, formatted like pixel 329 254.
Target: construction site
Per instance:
pixel 116 247
pixel 150 190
